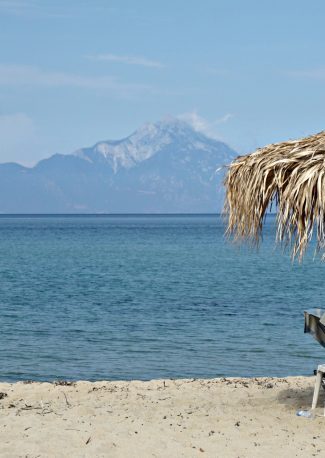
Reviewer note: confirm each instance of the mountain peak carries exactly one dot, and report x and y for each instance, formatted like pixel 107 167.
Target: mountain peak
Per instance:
pixel 169 123
pixel 169 126
pixel 142 144
pixel 164 167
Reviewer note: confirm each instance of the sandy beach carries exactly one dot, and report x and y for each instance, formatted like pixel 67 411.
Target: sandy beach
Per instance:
pixel 162 418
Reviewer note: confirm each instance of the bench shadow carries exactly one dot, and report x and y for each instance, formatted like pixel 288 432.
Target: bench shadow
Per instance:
pixel 300 397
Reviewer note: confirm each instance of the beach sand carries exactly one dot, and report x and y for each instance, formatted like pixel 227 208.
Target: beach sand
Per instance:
pixel 161 418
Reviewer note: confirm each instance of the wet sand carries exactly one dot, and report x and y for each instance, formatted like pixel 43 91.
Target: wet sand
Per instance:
pixel 161 418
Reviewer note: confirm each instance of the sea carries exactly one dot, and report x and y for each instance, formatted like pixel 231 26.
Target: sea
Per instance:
pixel 121 297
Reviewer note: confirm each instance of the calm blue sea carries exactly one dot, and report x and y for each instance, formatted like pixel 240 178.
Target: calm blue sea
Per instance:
pixel 142 297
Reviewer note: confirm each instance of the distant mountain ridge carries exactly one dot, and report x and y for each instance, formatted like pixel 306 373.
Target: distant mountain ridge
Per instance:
pixel 163 167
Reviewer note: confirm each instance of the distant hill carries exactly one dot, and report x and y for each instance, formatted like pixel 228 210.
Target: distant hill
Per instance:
pixel 165 167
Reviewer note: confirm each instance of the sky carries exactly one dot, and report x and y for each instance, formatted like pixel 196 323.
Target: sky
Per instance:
pixel 73 73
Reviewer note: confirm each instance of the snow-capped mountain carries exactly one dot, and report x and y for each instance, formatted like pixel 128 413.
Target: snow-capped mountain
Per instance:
pixel 145 143
pixel 162 167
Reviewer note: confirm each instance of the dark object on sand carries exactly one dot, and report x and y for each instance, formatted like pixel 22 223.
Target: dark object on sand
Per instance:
pixel 64 383
pixel 3 395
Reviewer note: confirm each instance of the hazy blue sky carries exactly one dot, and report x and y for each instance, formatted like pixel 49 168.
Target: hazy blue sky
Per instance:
pixel 76 72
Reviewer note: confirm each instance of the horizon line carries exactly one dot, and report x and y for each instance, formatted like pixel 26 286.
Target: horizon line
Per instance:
pixel 115 214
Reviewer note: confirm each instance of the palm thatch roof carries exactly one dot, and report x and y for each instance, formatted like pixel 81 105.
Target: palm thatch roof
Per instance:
pixel 290 174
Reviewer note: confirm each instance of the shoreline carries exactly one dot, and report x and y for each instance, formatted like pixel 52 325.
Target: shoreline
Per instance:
pixel 228 417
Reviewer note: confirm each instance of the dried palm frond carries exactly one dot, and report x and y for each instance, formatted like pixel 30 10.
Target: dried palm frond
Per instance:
pixel 290 174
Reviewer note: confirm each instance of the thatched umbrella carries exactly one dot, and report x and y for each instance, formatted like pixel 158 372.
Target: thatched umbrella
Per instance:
pixel 292 176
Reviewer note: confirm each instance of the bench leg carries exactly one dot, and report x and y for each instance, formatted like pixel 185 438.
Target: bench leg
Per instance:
pixel 316 389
